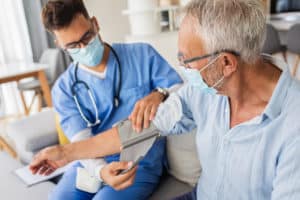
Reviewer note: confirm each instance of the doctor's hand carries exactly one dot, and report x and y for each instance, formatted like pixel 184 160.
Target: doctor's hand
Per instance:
pixel 110 175
pixel 144 111
pixel 48 160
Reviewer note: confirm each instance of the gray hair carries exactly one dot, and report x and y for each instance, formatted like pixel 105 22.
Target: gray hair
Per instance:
pixel 237 25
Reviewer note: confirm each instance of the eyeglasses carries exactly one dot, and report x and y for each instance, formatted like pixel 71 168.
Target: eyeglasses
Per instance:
pixel 87 37
pixel 185 62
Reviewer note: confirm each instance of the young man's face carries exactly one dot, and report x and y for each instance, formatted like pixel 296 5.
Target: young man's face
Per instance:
pixel 77 34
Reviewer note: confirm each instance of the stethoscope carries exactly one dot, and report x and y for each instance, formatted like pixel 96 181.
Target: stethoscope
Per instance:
pixel 90 94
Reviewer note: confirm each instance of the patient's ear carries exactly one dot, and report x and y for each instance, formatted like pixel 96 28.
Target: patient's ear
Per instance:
pixel 230 63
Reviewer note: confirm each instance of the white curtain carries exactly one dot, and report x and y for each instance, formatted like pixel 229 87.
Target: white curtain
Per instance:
pixel 14 47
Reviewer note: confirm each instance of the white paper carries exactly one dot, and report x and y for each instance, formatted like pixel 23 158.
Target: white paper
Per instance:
pixel 29 179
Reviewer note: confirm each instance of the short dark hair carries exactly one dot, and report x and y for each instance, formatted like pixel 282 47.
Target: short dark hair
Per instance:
pixel 58 14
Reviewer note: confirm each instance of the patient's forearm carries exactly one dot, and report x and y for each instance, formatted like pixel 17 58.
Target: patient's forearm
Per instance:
pixel 106 143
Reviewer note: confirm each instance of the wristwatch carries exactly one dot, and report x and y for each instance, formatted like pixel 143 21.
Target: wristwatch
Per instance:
pixel 162 91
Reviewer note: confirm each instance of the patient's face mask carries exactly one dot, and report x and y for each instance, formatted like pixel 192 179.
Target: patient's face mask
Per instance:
pixel 194 78
pixel 91 55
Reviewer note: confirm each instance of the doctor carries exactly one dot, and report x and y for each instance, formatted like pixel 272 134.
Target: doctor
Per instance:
pixel 104 85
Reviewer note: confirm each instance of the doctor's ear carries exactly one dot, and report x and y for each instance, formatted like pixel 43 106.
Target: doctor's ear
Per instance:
pixel 230 63
pixel 95 23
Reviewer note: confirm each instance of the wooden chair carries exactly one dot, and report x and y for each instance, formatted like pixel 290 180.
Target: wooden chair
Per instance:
pixel 51 57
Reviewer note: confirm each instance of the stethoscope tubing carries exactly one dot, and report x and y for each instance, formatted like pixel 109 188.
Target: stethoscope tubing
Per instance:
pixel 91 96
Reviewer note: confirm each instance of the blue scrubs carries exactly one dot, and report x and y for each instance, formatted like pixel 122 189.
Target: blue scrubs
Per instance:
pixel 142 70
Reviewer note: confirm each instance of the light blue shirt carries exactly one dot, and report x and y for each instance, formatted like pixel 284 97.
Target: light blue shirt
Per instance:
pixel 257 159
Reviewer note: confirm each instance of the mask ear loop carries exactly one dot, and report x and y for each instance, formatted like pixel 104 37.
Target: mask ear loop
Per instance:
pixel 219 81
pixel 209 63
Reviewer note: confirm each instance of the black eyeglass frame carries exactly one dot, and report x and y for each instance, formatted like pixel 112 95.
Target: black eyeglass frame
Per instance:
pixel 85 39
pixel 197 58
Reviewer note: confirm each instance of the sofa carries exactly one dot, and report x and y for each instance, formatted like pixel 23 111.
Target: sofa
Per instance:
pixel 182 175
pixel 12 188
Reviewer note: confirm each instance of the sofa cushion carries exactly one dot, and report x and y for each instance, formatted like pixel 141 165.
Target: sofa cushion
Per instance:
pixel 169 187
pixel 12 188
pixel 62 138
pixel 183 158
pixel 34 132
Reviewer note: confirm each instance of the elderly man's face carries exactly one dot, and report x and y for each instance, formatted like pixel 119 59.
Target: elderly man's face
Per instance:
pixel 190 45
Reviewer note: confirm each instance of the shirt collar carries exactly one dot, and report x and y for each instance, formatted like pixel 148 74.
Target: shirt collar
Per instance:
pixel 273 108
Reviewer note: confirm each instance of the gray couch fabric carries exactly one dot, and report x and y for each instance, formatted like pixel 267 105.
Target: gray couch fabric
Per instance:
pixel 293 42
pixel 169 188
pixel 183 157
pixel 30 136
pixel 11 187
pixel 272 42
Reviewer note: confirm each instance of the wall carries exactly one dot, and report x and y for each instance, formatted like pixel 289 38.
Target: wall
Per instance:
pixel 115 28
pixel 164 43
pixel 113 25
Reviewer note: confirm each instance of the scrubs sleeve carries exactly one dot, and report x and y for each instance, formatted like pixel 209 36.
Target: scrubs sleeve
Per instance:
pixel 64 104
pixel 174 116
pixel 286 185
pixel 162 74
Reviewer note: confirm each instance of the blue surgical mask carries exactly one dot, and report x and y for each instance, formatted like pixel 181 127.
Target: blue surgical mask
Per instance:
pixel 91 55
pixel 194 78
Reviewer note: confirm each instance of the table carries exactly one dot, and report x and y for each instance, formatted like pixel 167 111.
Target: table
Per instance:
pixel 5 146
pixel 18 71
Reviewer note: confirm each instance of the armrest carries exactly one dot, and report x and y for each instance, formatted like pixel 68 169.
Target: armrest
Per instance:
pixel 34 132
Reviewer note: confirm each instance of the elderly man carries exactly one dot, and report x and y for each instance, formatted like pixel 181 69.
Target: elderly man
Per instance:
pixel 248 142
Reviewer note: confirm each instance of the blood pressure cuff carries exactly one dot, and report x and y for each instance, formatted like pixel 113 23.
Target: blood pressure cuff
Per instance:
pixel 135 145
